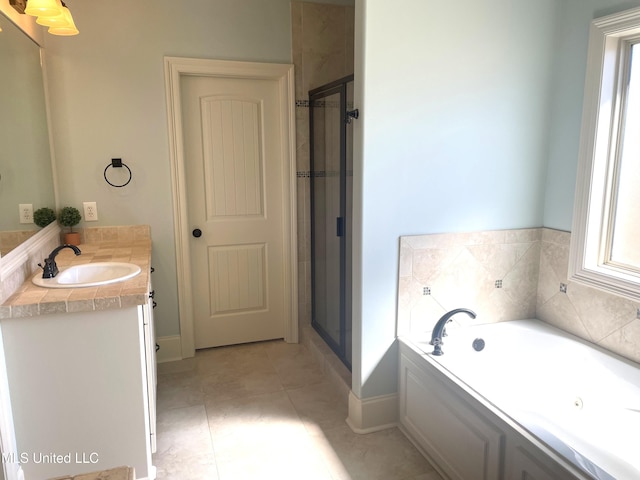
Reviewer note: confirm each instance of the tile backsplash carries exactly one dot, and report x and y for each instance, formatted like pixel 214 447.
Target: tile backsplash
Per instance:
pixel 508 275
pixel 12 239
pixel 599 317
pixel 22 261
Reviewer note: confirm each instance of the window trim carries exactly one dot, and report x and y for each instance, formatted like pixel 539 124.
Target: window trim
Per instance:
pixel 609 38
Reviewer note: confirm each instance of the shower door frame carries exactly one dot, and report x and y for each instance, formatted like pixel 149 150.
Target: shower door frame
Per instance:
pixel 337 86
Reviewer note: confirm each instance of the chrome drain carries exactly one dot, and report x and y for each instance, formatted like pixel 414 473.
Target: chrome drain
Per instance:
pixel 478 344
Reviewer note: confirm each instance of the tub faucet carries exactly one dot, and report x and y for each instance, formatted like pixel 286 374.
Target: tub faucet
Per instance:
pixel 439 329
pixel 50 269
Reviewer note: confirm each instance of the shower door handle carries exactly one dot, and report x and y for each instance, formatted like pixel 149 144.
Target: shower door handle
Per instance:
pixel 340 227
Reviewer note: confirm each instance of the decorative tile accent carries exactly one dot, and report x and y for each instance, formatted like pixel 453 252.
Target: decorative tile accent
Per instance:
pixel 323 173
pixel 326 104
pixel 461 268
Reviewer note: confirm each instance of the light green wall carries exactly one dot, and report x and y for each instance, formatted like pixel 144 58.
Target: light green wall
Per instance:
pixel 108 100
pixel 569 68
pixel 455 104
pixel 470 121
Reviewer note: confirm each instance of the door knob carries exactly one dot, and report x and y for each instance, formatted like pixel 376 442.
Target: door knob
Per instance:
pixel 197 232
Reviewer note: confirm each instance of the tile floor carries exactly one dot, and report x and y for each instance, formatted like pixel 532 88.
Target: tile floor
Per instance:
pixel 266 411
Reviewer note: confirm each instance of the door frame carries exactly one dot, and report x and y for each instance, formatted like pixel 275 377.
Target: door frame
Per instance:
pixel 175 68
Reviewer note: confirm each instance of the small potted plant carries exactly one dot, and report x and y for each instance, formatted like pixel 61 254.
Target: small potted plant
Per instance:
pixel 44 216
pixel 70 217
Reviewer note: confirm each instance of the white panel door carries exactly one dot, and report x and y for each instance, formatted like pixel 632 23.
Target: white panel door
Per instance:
pixel 234 169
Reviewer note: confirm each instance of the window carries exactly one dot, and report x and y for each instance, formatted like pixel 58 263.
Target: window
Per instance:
pixel 605 241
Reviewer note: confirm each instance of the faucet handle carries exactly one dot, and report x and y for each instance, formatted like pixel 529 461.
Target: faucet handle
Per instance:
pixel 50 268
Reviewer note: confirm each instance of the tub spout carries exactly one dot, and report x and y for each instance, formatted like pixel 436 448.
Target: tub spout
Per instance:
pixel 439 329
pixel 50 268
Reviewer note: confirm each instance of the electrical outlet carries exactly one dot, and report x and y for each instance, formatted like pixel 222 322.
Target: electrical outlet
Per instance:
pixel 26 212
pixel 90 211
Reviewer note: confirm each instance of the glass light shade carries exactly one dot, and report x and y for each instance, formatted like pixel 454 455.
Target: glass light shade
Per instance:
pixel 43 8
pixel 66 29
pixel 55 20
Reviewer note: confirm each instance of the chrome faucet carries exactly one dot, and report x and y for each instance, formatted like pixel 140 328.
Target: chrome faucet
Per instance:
pixel 50 269
pixel 439 330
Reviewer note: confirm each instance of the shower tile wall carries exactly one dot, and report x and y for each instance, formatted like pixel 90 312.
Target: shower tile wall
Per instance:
pixel 509 275
pixel 322 43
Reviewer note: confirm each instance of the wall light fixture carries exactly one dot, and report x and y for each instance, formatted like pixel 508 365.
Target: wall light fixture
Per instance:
pixel 50 13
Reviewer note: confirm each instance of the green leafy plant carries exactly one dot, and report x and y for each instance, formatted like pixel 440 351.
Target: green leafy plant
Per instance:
pixel 69 217
pixel 44 216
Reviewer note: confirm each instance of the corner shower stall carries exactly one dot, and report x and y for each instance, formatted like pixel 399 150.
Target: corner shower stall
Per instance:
pixel 331 147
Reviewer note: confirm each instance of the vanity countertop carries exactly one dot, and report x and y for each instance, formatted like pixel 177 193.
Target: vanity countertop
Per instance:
pixel 30 300
pixel 119 473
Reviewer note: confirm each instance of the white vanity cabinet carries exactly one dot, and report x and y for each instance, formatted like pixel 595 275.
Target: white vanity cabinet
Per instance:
pixel 82 389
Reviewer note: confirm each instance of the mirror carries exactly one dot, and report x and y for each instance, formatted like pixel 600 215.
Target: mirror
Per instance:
pixel 26 175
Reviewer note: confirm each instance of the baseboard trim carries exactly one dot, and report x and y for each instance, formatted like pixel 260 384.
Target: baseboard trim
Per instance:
pixel 170 349
pixel 372 414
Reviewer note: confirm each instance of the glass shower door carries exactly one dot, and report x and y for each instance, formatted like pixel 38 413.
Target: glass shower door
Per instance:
pixel 348 207
pixel 330 218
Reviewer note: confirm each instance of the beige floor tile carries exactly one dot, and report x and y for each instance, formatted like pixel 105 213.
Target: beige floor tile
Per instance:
pixel 427 476
pixel 237 359
pixel 187 467
pixel 384 455
pixel 184 448
pixel 177 390
pixel 294 364
pixel 183 431
pixel 257 420
pixel 242 386
pixel 266 411
pixel 263 437
pixel 282 458
pixel 319 406
pixel 179 366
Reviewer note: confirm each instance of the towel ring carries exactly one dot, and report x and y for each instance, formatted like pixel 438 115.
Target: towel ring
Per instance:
pixel 117 163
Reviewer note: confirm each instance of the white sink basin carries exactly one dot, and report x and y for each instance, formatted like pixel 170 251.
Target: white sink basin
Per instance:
pixel 89 275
